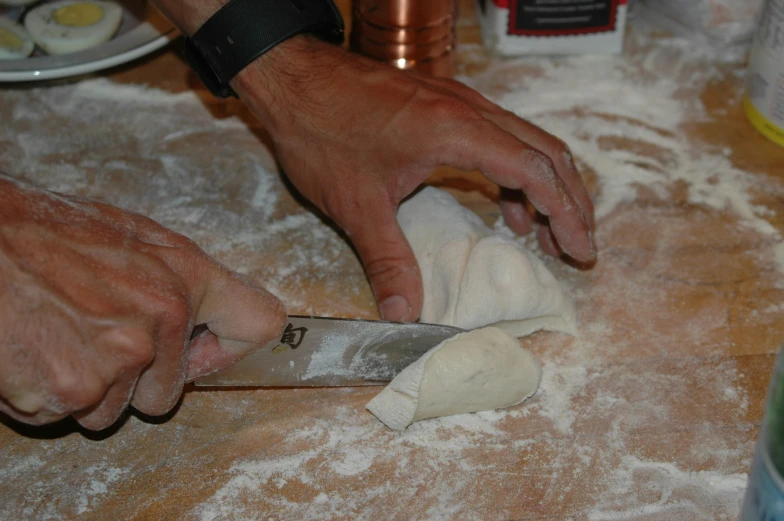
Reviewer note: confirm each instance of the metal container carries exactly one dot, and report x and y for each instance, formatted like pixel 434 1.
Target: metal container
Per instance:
pixel 764 99
pixel 408 34
pixel 764 500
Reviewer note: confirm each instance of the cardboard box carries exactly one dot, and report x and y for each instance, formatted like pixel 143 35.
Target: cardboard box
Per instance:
pixel 517 27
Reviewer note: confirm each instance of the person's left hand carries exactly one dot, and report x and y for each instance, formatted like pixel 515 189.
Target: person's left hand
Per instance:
pixel 356 137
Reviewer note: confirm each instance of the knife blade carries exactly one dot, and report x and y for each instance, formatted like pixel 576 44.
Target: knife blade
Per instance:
pixel 332 352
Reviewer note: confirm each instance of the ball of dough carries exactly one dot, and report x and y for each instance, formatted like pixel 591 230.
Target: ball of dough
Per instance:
pixel 473 277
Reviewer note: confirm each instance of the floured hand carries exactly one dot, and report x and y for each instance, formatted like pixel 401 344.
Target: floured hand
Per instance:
pixel 98 306
pixel 356 137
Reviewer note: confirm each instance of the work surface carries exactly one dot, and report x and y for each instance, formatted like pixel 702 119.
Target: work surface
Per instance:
pixel 650 413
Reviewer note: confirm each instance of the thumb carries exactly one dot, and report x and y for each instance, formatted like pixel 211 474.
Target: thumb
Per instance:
pixel 389 263
pixel 240 317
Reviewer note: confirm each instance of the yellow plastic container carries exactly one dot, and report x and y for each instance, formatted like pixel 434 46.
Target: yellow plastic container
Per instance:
pixel 764 99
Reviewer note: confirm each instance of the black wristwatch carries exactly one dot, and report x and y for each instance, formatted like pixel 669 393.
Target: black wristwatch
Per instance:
pixel 243 30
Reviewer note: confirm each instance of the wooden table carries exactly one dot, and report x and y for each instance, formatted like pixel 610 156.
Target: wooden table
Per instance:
pixel 651 413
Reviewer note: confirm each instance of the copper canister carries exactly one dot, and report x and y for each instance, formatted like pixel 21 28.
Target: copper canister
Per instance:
pixel 408 34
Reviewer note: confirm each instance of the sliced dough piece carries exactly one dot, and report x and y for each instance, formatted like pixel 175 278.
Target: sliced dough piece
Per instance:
pixel 473 277
pixel 474 371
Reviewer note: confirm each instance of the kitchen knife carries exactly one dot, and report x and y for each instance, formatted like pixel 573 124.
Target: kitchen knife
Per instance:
pixel 335 352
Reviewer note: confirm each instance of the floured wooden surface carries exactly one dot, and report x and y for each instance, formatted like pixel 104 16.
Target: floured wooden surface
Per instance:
pixel 651 413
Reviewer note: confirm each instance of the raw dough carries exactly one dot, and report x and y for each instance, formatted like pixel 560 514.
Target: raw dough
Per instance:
pixel 473 277
pixel 474 371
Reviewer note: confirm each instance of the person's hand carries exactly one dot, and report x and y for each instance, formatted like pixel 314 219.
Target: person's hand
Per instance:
pixel 97 308
pixel 356 137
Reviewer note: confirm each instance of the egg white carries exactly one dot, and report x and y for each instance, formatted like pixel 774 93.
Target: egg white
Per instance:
pixel 55 38
pixel 17 30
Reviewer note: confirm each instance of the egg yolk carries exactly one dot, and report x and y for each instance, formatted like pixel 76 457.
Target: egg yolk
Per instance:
pixel 9 40
pixel 80 14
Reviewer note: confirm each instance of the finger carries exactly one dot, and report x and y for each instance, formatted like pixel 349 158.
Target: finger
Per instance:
pixel 511 163
pixel 40 417
pixel 125 351
pixel 535 136
pixel 240 316
pixel 161 382
pixel 390 264
pixel 556 150
pixel 516 214
pixel 106 412
pixel 206 355
pixel 545 237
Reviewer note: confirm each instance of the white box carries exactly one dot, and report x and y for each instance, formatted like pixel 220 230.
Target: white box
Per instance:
pixel 517 27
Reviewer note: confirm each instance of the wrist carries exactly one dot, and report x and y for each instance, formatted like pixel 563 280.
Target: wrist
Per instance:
pixel 281 77
pixel 226 36
pixel 189 15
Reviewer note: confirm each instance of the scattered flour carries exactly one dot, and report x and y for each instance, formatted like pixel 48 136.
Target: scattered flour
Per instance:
pixel 344 447
pixel 598 440
pixel 560 385
pixel 166 156
pixel 100 478
pixel 642 489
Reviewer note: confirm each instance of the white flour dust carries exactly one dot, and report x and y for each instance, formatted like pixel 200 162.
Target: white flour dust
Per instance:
pixel 345 447
pixel 644 416
pixel 165 156
pixel 642 489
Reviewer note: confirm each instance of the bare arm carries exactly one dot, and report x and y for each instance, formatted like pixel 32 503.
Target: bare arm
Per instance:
pixel 356 137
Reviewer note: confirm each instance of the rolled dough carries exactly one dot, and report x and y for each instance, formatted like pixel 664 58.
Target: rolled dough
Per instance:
pixel 474 277
pixel 474 371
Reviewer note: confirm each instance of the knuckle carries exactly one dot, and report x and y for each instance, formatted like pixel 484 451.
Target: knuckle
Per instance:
pixel 76 391
pixel 178 310
pixel 152 233
pixel 469 93
pixel 452 109
pixel 170 305
pixel 182 242
pixel 140 356
pixel 452 84
pixel 541 163
pixel 386 269
pixel 559 148
pixel 133 347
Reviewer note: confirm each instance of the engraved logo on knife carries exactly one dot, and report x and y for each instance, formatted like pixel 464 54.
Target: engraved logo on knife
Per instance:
pixel 292 337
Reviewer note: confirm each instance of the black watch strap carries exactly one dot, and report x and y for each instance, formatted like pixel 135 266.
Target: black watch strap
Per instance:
pixel 243 30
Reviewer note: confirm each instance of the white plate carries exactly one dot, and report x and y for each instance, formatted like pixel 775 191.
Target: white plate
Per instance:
pixel 142 30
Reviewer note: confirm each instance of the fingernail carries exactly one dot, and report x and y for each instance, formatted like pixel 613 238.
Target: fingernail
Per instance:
pixel 395 309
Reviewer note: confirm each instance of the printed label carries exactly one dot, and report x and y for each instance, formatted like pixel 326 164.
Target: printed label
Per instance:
pixel 561 17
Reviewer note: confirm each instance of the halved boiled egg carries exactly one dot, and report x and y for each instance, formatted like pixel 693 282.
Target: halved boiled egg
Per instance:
pixel 73 25
pixel 15 43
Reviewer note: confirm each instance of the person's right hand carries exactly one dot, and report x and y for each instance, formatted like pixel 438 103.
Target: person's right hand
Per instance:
pixel 97 308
